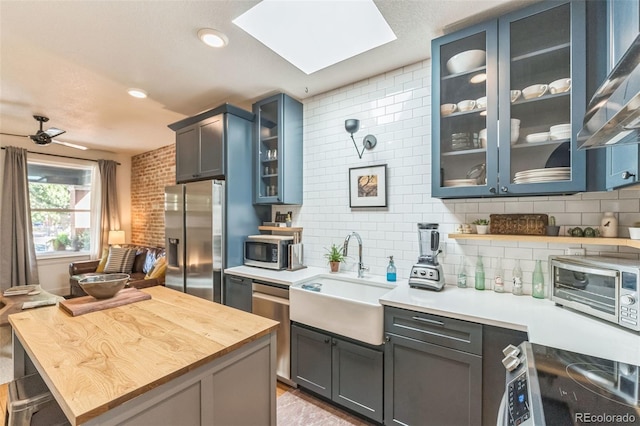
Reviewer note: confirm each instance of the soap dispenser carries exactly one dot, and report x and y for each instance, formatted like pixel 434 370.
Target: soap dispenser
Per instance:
pixel 391 270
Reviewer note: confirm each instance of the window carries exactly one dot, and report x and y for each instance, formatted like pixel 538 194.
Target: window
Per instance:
pixel 60 197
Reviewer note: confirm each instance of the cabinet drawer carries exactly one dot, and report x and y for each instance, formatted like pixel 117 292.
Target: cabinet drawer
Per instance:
pixel 448 332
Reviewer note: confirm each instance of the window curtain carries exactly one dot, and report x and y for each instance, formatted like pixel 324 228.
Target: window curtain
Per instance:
pixel 18 264
pixel 109 215
pixel 95 218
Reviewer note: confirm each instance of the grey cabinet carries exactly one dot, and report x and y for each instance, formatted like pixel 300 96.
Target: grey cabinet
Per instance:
pixel 623 162
pixel 433 370
pixel 278 150
pixel 202 142
pixel 238 292
pixel 490 136
pixel 348 373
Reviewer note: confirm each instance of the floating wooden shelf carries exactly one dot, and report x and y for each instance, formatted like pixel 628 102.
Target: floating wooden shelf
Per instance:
pixel 279 228
pixel 552 240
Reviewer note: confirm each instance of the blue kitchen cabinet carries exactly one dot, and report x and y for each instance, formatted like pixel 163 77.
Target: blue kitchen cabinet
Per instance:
pixel 342 370
pixel 504 144
pixel 623 162
pixel 278 150
pixel 433 369
pixel 207 143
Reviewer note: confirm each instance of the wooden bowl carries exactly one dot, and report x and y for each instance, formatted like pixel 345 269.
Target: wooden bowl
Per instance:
pixel 103 286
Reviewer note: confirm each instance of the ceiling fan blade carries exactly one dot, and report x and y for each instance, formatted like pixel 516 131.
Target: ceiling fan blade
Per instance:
pixel 70 145
pixel 54 131
pixel 13 134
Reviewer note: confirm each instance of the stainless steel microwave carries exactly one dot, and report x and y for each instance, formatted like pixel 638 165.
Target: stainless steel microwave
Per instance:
pixel 605 287
pixel 267 251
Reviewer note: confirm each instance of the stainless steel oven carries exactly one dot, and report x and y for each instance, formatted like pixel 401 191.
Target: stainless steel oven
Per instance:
pixel 604 287
pixel 549 386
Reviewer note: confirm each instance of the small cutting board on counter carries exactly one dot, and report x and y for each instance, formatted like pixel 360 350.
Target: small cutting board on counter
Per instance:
pixel 84 305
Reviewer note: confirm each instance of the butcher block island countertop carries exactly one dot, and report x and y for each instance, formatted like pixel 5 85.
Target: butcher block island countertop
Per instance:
pixel 122 364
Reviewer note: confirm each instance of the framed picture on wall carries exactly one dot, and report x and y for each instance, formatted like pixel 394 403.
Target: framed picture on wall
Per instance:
pixel 368 186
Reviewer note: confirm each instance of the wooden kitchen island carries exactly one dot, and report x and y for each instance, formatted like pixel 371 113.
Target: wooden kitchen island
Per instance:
pixel 172 360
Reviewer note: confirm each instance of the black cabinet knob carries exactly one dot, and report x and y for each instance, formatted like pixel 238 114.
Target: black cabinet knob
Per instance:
pixel 387 339
pixel 492 190
pixel 504 189
pixel 326 340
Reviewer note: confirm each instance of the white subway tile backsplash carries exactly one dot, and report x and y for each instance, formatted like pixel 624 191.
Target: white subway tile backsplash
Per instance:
pixel 396 108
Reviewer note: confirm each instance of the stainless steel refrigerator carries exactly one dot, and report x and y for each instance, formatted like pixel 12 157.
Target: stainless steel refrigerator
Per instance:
pixel 195 238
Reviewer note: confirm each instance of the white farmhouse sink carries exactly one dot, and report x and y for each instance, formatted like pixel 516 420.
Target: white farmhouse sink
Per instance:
pixel 344 306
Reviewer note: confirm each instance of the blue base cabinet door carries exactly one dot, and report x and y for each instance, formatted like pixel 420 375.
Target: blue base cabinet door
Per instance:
pixel 342 370
pixel 357 378
pixel 311 360
pixel 427 384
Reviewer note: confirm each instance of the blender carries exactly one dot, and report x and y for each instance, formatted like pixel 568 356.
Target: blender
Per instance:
pixel 427 273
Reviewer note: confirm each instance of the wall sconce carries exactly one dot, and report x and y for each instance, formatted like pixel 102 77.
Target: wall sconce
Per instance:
pixel 351 126
pixel 116 238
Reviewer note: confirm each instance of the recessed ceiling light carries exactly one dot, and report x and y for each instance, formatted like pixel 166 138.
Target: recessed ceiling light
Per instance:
pixel 213 38
pixel 137 93
pixel 313 35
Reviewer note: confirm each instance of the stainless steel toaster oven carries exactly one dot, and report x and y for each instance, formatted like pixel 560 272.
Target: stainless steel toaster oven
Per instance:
pixel 605 287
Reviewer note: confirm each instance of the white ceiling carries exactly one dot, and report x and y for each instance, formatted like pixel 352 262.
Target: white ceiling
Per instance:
pixel 73 61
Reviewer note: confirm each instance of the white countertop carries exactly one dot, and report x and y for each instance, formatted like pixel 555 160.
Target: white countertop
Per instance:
pixel 545 323
pixel 274 276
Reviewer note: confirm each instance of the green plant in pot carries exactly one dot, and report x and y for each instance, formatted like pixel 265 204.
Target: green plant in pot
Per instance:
pixel 335 257
pixel 482 225
pixel 60 242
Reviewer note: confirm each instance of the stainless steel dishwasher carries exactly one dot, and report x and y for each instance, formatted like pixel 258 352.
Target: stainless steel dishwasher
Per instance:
pixel 272 301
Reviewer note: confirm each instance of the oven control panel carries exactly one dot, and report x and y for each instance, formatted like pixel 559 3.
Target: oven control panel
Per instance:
pixel 518 401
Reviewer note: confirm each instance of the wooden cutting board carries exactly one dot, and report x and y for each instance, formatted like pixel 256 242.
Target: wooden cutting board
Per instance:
pixel 86 304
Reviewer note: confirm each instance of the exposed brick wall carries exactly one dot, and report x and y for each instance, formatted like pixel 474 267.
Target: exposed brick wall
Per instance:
pixel 150 173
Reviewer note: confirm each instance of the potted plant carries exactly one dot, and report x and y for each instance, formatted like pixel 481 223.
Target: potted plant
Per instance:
pixel 60 242
pixel 552 229
pixel 482 225
pixel 335 257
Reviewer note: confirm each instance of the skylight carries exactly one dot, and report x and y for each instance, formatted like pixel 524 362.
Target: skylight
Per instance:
pixel 314 34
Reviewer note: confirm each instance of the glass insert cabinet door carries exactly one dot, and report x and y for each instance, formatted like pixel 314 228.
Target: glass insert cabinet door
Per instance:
pixel 464 121
pixel 508 101
pixel 268 150
pixel 543 63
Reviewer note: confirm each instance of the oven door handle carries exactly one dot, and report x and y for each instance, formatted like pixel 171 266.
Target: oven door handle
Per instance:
pixel 502 411
pixel 576 267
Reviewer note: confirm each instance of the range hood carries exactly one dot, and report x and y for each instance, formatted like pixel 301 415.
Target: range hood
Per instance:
pixel 613 115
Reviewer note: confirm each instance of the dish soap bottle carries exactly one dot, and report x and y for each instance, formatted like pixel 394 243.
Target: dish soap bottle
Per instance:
pixel 462 274
pixel 538 281
pixel 479 274
pixel 517 279
pixel 498 280
pixel 391 270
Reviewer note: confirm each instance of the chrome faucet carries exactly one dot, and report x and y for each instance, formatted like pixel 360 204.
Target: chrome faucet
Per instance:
pixel 345 247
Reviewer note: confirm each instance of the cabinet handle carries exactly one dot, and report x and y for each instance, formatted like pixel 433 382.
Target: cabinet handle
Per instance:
pixel 334 342
pixel 326 340
pixel 387 339
pixel 430 321
pixel 627 175
pixel 504 189
pixel 492 190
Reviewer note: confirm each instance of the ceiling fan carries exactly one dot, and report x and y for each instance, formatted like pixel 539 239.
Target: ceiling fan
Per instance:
pixel 45 137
